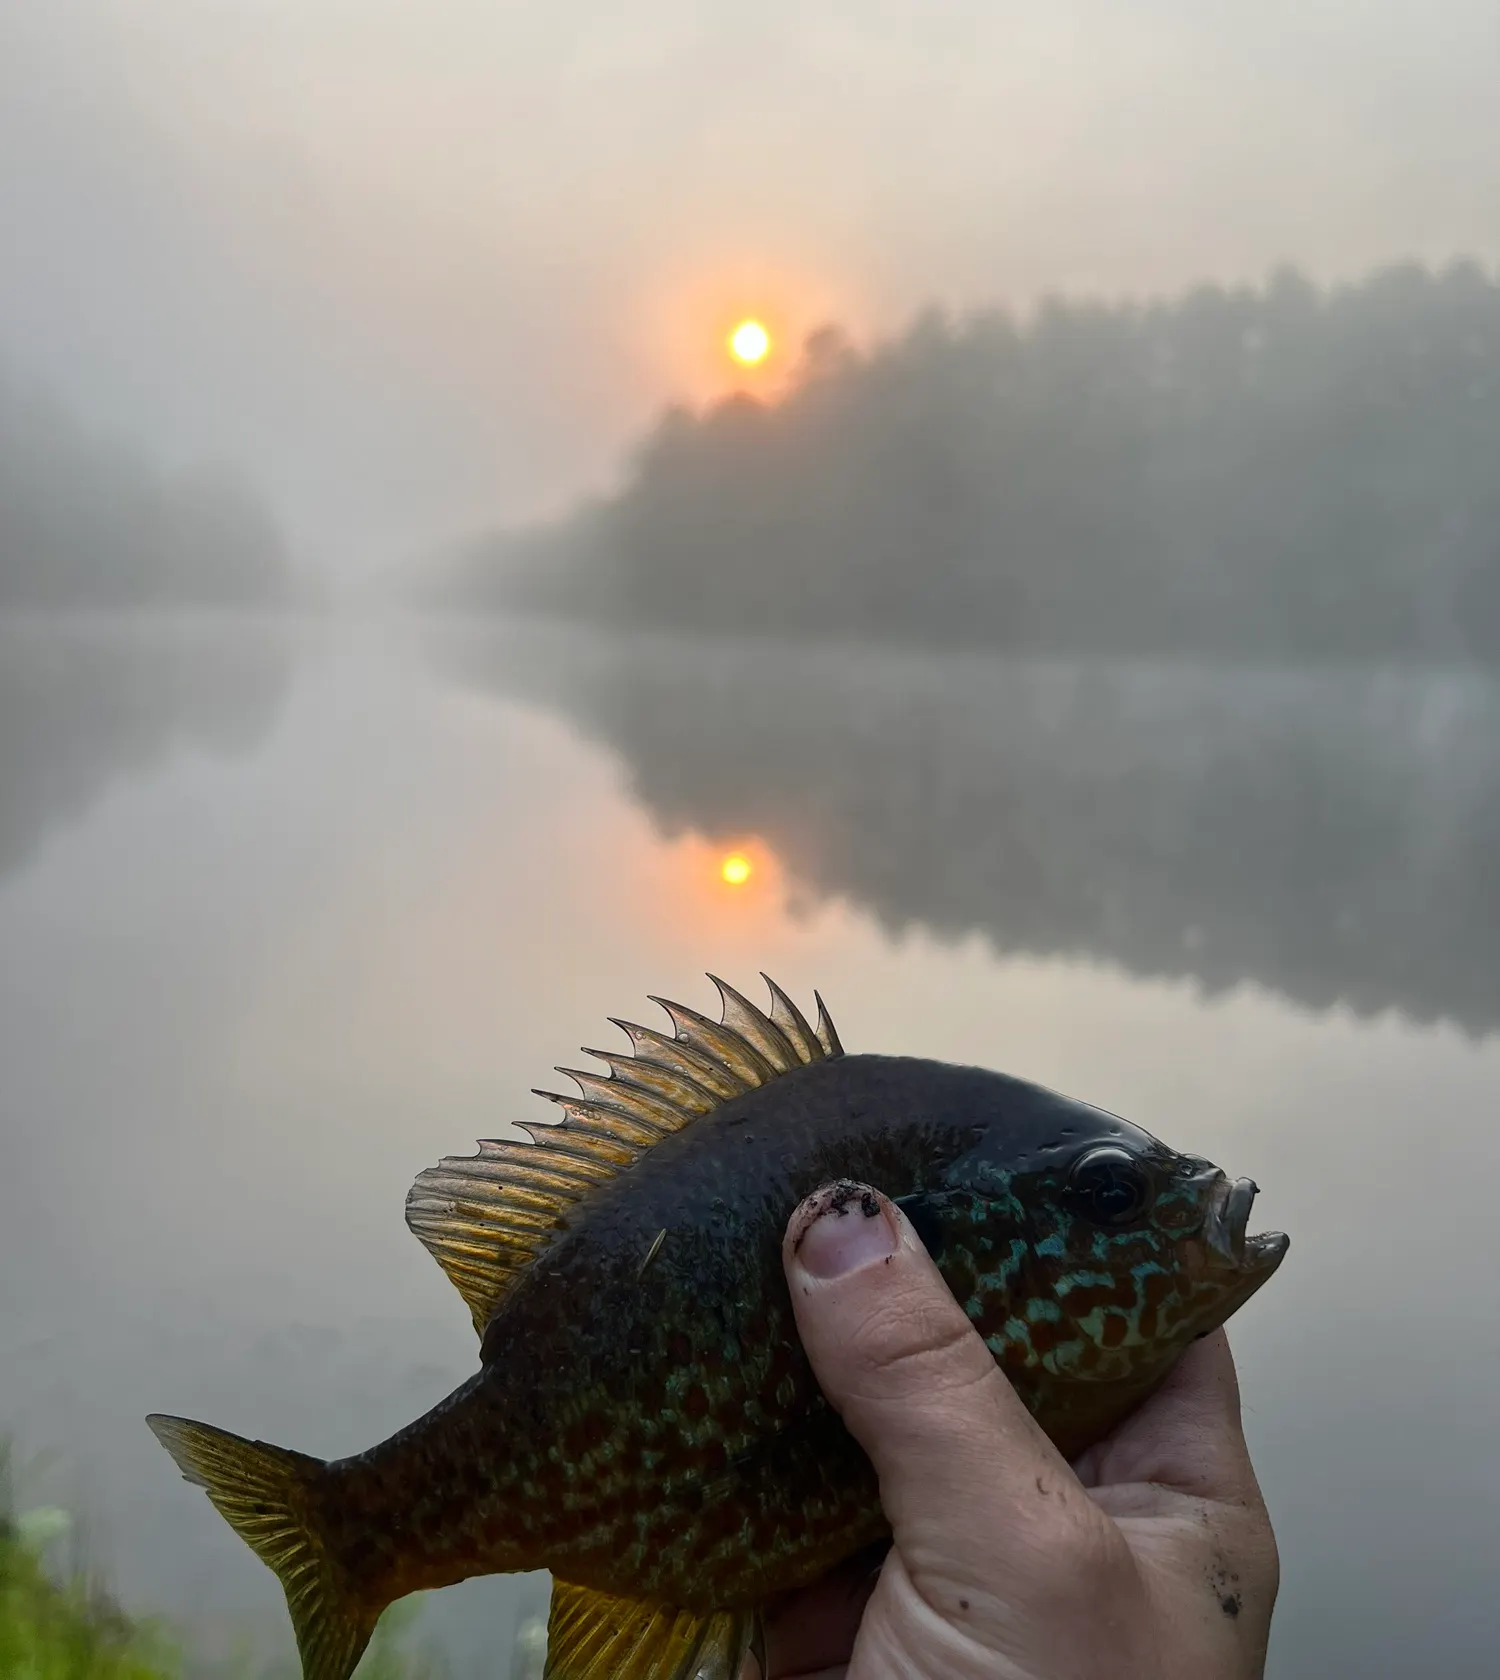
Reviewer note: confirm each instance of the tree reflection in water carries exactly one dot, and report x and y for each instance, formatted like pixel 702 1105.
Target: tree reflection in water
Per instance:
pixel 1326 833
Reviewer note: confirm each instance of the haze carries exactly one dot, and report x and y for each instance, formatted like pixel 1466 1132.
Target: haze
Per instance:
pixel 415 270
pixel 1085 625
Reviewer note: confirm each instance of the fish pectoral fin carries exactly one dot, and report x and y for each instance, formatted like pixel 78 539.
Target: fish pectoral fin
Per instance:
pixel 591 1636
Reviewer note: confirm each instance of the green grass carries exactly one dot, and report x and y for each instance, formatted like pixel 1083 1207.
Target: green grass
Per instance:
pixel 65 1626
pixel 60 1623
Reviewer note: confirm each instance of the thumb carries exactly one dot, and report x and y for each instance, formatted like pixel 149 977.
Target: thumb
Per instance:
pixel 975 1493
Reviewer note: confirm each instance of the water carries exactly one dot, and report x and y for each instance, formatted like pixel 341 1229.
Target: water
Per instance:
pixel 285 917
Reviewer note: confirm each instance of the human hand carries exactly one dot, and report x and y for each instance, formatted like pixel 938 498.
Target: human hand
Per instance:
pixel 1152 1558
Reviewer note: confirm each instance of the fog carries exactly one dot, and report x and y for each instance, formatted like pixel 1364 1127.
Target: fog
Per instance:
pixel 84 706
pixel 86 524
pixel 257 974
pixel 415 271
pixel 1086 623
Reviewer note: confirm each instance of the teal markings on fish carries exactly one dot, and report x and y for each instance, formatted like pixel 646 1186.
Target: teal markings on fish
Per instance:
pixel 644 1422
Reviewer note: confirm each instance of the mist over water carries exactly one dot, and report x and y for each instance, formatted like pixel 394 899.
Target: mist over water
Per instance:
pixel 87 705
pixel 1326 834
pixel 1086 625
pixel 246 994
pixel 89 524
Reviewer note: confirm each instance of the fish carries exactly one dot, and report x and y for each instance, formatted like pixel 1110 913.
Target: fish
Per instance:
pixel 644 1422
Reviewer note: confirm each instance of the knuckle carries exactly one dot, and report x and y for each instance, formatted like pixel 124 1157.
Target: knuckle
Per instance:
pixel 903 1333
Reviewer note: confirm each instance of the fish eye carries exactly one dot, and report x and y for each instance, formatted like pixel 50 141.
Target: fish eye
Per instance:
pixel 1110 1187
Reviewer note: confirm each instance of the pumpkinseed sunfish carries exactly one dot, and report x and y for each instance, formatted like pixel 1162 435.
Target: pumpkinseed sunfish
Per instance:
pixel 644 1423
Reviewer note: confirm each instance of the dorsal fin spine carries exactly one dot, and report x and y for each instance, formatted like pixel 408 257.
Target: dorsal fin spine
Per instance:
pixel 758 1030
pixel 612 1125
pixel 827 1032
pixel 624 1098
pixel 717 1040
pixel 794 1024
pixel 583 1138
pixel 485 1218
pixel 652 1046
pixel 684 1094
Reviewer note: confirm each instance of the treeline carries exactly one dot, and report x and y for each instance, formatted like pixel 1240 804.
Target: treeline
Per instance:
pixel 86 524
pixel 1264 473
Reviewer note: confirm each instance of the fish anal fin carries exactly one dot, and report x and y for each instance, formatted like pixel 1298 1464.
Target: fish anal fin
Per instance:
pixel 485 1218
pixel 592 1636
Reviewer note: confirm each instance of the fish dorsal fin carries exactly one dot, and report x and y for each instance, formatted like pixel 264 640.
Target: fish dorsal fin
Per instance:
pixel 591 1636
pixel 484 1218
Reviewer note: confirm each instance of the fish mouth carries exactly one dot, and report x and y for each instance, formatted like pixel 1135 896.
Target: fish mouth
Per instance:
pixel 1227 1229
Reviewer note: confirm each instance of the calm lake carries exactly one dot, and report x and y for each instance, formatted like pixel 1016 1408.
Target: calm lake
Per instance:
pixel 287 914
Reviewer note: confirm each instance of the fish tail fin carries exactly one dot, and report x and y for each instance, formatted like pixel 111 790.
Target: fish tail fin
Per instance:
pixel 271 1498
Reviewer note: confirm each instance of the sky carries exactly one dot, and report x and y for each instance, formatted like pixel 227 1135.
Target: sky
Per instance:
pixel 417 269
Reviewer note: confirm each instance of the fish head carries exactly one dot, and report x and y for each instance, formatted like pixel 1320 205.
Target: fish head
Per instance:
pixel 1140 1250
pixel 1090 1260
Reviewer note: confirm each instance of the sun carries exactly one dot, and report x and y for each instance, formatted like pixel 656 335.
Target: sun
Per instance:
pixel 736 869
pixel 749 343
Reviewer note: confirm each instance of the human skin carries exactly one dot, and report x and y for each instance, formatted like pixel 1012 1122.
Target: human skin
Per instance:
pixel 1151 1558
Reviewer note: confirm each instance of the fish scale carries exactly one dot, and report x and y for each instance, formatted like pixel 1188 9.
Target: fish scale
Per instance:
pixel 644 1422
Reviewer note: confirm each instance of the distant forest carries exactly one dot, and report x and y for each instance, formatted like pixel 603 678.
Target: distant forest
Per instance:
pixel 1262 473
pixel 85 524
